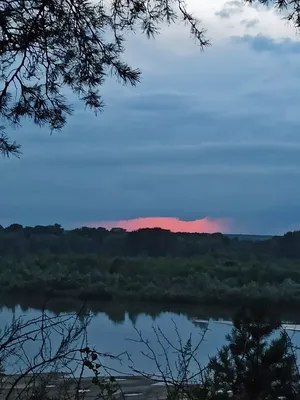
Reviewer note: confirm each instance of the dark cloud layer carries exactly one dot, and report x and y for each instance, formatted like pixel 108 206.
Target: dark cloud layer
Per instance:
pixel 262 43
pixel 217 136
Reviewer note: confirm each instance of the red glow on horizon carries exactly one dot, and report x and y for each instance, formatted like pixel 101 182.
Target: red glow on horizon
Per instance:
pixel 204 225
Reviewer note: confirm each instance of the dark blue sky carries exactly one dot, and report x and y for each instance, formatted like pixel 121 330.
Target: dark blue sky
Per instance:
pixel 213 134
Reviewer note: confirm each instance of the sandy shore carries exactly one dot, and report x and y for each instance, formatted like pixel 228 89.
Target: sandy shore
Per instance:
pixel 62 386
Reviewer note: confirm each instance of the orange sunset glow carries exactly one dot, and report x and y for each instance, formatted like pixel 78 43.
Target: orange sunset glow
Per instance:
pixel 204 225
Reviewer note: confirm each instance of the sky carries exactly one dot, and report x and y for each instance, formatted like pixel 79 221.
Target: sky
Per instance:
pixel 208 141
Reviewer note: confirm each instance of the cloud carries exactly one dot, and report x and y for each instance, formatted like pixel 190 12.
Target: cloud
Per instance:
pixel 261 43
pixel 205 225
pixel 164 102
pixel 224 13
pixel 231 8
pixel 206 158
pixel 250 23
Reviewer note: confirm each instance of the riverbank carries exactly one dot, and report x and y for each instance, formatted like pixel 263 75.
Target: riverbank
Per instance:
pixel 192 281
pixel 127 387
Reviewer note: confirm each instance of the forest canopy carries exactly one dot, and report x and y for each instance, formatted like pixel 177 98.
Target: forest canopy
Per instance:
pixel 149 264
pixel 17 240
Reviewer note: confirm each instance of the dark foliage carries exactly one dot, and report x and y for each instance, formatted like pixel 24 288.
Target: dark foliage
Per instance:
pixel 18 241
pixel 258 363
pixel 8 148
pixel 149 264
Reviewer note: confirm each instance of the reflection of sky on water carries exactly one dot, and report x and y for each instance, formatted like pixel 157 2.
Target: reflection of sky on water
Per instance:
pixel 201 324
pixel 112 337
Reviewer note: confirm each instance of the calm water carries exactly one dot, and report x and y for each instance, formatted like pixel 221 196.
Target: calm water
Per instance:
pixel 114 328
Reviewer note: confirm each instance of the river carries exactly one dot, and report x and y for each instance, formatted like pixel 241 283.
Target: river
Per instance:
pixel 115 328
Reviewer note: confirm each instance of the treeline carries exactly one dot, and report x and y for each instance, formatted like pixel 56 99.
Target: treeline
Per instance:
pixel 195 280
pixel 150 264
pixel 19 241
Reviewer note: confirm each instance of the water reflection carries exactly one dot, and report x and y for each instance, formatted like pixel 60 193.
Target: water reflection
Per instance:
pixel 114 326
pixel 203 325
pixel 116 311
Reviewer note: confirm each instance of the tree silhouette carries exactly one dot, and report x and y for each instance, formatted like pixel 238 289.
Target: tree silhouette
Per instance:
pixel 256 364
